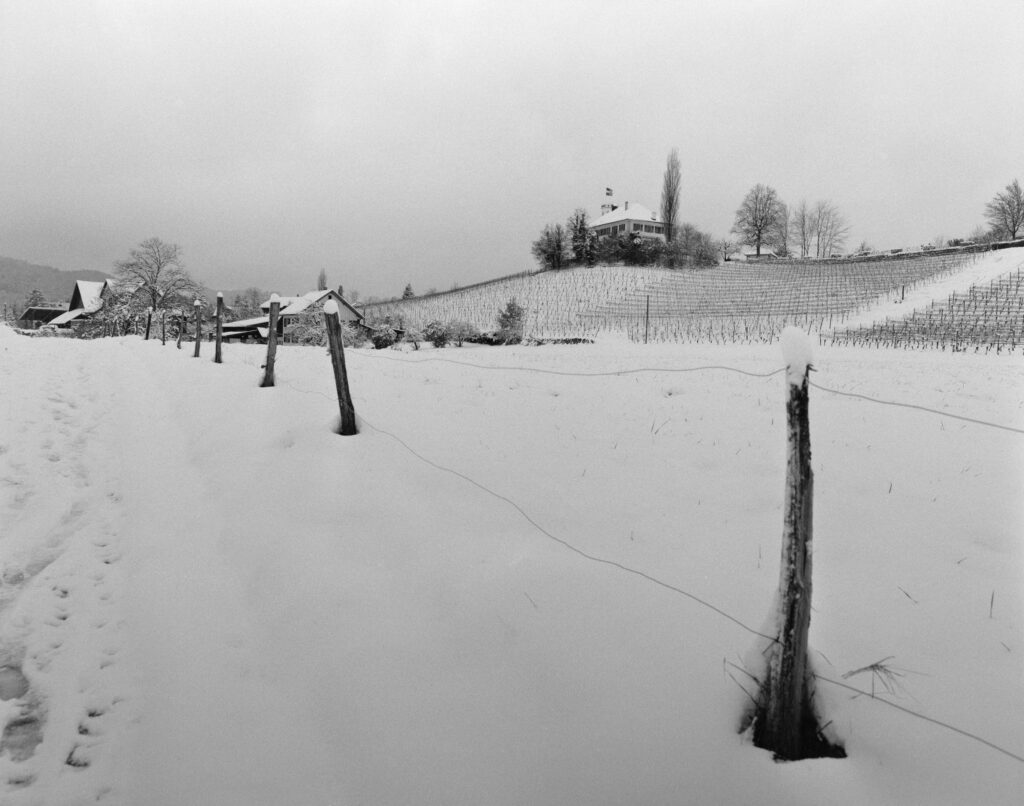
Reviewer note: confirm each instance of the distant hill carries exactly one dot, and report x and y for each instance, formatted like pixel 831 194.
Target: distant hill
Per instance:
pixel 18 278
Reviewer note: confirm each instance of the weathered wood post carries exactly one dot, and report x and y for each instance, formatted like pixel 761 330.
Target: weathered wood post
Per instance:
pixel 785 722
pixel 149 322
pixel 181 327
pixel 220 328
pixel 198 306
pixel 163 328
pixel 268 368
pixel 647 318
pixel 348 411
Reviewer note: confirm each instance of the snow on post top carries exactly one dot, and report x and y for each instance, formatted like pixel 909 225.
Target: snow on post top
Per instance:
pixel 197 303
pixel 220 295
pixel 275 298
pixel 331 308
pixel 797 350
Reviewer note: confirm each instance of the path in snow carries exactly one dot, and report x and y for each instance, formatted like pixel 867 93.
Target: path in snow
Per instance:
pixel 60 616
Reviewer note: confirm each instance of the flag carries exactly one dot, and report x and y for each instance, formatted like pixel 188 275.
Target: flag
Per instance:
pixel 607 191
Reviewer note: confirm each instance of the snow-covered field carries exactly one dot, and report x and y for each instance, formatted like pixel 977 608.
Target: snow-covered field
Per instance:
pixel 210 598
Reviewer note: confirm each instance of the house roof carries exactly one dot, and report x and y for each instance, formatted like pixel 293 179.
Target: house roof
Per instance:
pixel 248 324
pixel 630 211
pixel 66 317
pixel 291 306
pixel 88 294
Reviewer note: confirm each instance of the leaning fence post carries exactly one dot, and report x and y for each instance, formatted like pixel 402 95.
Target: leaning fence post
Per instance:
pixel 199 326
pixel 268 368
pixel 220 327
pixel 348 411
pixel 149 322
pixel 785 722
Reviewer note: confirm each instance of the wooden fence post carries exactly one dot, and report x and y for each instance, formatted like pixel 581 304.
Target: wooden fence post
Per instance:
pixel 163 328
pixel 348 411
pixel 268 368
pixel 180 321
pixel 149 322
pixel 786 723
pixel 220 328
pixel 647 318
pixel 198 306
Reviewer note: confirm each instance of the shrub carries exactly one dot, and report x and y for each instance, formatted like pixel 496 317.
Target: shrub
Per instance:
pixel 510 322
pixel 413 336
pixel 462 332
pixel 383 336
pixel 437 334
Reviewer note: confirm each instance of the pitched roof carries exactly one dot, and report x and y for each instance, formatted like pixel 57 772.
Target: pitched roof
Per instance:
pixel 630 211
pixel 291 306
pixel 66 317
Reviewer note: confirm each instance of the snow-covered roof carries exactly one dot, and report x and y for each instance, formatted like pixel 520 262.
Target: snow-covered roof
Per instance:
pixel 64 318
pixel 629 211
pixel 292 306
pixel 88 294
pixel 242 324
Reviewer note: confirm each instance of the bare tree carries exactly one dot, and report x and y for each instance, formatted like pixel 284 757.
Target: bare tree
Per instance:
pixel 726 248
pixel 1005 213
pixel 321 280
pixel 154 271
pixel 800 225
pixel 670 195
pixel 757 217
pixel 829 227
pixel 246 304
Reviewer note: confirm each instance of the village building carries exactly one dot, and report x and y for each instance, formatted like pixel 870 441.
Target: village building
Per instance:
pixel 629 218
pixel 86 299
pixel 290 309
pixel 35 316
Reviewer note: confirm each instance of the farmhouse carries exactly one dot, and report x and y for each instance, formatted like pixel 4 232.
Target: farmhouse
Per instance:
pixel 86 299
pixel 291 308
pixel 629 218
pixel 35 316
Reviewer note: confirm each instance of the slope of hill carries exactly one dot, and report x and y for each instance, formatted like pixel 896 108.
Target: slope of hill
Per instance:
pixel 18 278
pixel 737 302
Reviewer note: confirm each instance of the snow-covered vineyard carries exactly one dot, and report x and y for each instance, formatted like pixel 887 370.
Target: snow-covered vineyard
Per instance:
pixel 752 302
pixel 535 576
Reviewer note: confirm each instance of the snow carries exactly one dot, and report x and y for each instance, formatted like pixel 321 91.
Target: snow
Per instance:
pixel 797 354
pixel 331 307
pixel 214 599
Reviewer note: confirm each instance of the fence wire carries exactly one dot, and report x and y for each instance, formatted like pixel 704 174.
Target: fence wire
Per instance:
pixel 654 580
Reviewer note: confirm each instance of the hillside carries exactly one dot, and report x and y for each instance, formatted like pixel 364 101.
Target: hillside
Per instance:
pixel 19 277
pixel 746 302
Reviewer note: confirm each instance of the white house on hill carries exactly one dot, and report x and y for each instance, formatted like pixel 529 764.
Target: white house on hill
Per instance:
pixel 629 218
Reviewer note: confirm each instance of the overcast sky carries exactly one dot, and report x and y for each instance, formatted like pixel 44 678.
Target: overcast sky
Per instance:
pixel 429 142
